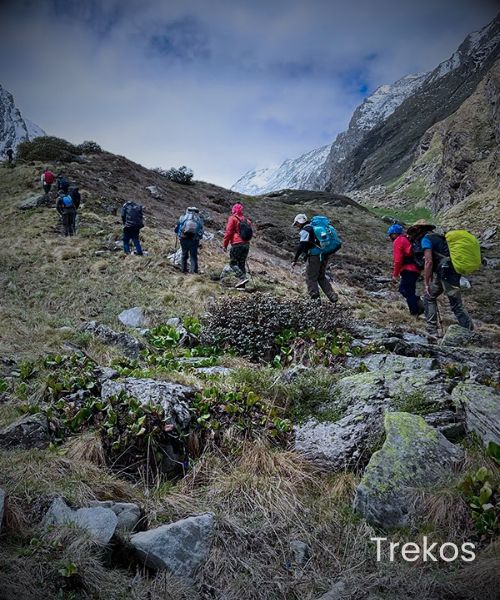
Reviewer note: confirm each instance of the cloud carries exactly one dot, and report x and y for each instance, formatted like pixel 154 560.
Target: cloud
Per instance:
pixel 222 86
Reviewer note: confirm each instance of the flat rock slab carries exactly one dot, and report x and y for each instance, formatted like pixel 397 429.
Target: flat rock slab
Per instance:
pixel 414 456
pixel 133 317
pixel 32 202
pixel 128 343
pixel 100 523
pixel 127 513
pixel 393 362
pixel 181 547
pixel 481 405
pixel 31 431
pixel 460 337
pixel 172 397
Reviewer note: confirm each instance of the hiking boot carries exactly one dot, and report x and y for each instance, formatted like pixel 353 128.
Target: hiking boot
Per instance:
pixel 242 283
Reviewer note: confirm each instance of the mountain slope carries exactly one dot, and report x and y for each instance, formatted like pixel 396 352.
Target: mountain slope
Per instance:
pixel 14 128
pixel 387 150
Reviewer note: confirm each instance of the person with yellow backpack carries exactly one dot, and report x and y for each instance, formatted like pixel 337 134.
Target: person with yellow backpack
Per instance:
pixel 446 259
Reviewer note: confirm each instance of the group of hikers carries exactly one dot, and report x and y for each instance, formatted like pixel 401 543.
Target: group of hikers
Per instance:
pixel 68 198
pixel 419 250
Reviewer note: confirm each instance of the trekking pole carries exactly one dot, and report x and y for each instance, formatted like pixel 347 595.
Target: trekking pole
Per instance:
pixel 440 322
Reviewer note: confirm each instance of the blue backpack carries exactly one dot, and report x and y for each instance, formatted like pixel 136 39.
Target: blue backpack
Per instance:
pixel 327 239
pixel 67 201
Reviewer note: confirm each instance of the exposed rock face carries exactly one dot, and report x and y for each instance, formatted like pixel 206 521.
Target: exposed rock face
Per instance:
pixel 32 202
pixel 388 149
pixel 133 317
pixel 459 337
pixel 13 127
pixel 172 397
pixel 482 410
pixel 27 432
pixel 99 522
pixel 2 506
pixel 413 456
pixel 129 344
pixel 181 547
pixel 127 513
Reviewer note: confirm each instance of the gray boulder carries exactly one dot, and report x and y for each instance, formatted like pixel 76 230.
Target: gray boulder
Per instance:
pixel 181 547
pixel 414 456
pixel 32 202
pixel 222 371
pixel 344 444
pixel 481 405
pixel 99 522
pixel 127 513
pixel 392 362
pixel 31 431
pixel 129 344
pixel 172 397
pixel 133 317
pixel 300 552
pixel 2 506
pixel 459 336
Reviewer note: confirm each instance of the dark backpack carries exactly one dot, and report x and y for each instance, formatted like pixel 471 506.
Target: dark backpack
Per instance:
pixel 245 231
pixel 191 227
pixel 134 216
pixel 439 250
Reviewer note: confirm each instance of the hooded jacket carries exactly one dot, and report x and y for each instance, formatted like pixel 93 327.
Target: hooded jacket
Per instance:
pixel 232 234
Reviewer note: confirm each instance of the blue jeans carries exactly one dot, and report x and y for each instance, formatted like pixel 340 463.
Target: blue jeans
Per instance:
pixel 407 287
pixel 131 233
pixel 189 247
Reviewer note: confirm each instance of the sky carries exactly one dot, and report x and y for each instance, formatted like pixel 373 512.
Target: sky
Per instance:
pixel 218 85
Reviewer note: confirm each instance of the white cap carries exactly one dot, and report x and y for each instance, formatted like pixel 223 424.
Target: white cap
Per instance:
pixel 301 219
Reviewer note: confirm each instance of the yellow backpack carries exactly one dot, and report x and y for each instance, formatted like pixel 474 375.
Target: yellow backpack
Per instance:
pixel 465 252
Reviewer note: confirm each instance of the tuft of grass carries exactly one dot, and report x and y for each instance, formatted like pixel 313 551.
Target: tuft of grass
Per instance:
pixel 404 215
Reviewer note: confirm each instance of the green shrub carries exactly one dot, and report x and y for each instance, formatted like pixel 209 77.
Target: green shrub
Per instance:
pixel 482 492
pixel 47 148
pixel 89 147
pixel 252 325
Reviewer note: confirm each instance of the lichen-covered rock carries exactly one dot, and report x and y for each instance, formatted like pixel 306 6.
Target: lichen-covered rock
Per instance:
pixel 481 405
pixel 100 523
pixel 31 431
pixel 133 317
pixel 181 547
pixel 344 444
pixel 172 397
pixel 392 362
pixel 222 371
pixel 129 344
pixel 32 202
pixel 459 336
pixel 414 456
pixel 127 513
pixel 449 423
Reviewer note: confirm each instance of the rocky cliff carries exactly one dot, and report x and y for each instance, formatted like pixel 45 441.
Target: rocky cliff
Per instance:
pixel 14 128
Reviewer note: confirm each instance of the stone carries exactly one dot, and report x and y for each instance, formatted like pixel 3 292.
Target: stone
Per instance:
pixel 99 522
pixel 489 233
pixel 300 552
pixel 181 547
pixel 393 362
pixel 32 202
pixel 175 257
pixel 339 591
pixel 133 317
pixel 344 444
pixel 172 397
pixel 153 190
pixel 459 336
pixel 3 496
pixel 222 371
pixel 129 344
pixel 449 423
pixel 105 373
pixel 127 513
pixel 31 431
pixel 481 405
pixel 414 456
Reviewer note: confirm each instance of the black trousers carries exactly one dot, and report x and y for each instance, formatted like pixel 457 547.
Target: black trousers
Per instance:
pixel 407 289
pixel 189 247
pixel 238 257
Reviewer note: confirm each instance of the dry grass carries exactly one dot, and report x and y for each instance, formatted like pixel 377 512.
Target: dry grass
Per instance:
pixel 86 447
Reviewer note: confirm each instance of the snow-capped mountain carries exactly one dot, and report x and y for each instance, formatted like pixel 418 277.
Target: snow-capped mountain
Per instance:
pixel 395 116
pixel 13 127
pixel 294 174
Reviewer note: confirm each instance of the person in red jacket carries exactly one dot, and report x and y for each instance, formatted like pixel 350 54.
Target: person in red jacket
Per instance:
pixel 405 269
pixel 47 179
pixel 238 234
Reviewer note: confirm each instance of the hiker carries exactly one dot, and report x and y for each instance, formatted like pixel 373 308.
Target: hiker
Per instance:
pixel 67 209
pixel 431 249
pixel 47 180
pixel 10 156
pixel 189 230
pixel 62 183
pixel 238 233
pixel 405 270
pixel 133 222
pixel 317 257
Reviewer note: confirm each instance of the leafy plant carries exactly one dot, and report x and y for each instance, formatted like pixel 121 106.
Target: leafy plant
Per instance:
pixel 482 492
pixel 70 569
